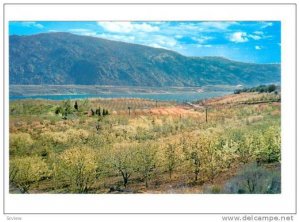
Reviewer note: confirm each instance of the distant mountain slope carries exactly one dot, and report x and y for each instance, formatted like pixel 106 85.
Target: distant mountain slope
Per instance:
pixel 64 58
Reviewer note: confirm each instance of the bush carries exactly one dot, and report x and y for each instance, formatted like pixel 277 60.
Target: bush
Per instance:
pixel 192 153
pixel 20 143
pixel 270 146
pixel 24 171
pixel 78 165
pixel 213 157
pixel 212 189
pixel 204 156
pixel 70 136
pixel 64 109
pixel 54 137
pixel 76 136
pixel 146 161
pixel 171 158
pixel 245 145
pixel 260 89
pixel 123 160
pixel 255 180
pixel 262 145
pixel 271 88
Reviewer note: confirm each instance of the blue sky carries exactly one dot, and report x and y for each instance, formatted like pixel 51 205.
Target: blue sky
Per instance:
pixel 257 42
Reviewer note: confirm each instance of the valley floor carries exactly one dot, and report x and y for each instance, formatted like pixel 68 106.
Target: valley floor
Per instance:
pixel 145 146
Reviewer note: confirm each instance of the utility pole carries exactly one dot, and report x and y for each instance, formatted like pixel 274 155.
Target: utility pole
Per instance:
pixel 206 114
pixel 129 110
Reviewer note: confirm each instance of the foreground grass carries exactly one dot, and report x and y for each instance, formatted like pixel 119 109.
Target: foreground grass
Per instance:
pixel 158 147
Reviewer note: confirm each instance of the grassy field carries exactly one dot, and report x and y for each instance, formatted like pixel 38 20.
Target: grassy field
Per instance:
pixel 229 144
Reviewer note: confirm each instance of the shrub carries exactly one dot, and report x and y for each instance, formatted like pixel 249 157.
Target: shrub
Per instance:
pixel 244 144
pixel 212 189
pixel 254 179
pixel 270 145
pixel 43 148
pixel 215 189
pixel 261 89
pixel 204 155
pixel 171 158
pixel 123 160
pixel 64 109
pixel 79 167
pixel 271 88
pixel 54 137
pixel 213 156
pixel 55 141
pixel 76 136
pixel 24 171
pixel 192 154
pixel 146 161
pixel 76 105
pixel 70 136
pixel 20 143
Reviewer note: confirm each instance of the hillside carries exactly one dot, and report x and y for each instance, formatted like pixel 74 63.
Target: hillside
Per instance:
pixel 64 58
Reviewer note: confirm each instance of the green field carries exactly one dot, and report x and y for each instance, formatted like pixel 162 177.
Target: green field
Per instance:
pixel 230 144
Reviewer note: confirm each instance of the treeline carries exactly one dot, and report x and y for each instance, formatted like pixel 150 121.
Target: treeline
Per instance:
pixel 260 89
pixel 66 108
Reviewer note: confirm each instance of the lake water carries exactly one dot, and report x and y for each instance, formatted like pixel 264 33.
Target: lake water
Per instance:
pixel 172 96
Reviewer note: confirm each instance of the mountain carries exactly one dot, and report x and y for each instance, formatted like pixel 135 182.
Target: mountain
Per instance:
pixel 64 58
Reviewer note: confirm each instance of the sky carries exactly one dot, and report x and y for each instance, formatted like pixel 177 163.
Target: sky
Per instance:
pixel 255 41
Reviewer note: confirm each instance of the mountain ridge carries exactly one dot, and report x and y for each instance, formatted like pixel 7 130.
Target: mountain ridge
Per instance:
pixel 63 58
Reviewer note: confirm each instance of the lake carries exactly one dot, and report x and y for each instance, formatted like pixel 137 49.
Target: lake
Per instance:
pixel 178 94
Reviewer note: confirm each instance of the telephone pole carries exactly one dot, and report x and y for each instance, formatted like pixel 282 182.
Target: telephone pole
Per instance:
pixel 129 110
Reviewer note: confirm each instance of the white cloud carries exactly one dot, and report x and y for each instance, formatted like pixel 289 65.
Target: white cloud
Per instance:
pixel 40 26
pixel 266 24
pixel 164 41
pixel 188 27
pixel 123 38
pixel 87 32
pixel 217 25
pixel 178 36
pixel 155 45
pixel 153 40
pixel 201 39
pixel 258 33
pixel 32 24
pixel 255 37
pixel 203 46
pixel 238 37
pixel 126 27
pixel 257 47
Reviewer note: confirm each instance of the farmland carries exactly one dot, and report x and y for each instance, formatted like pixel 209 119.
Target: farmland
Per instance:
pixel 229 144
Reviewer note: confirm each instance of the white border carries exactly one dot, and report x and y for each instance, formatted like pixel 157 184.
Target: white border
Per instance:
pixel 283 203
